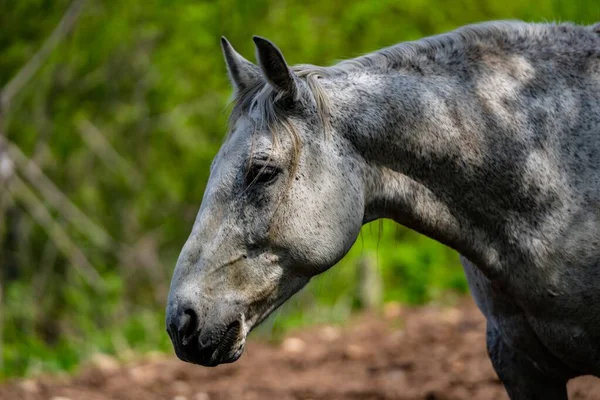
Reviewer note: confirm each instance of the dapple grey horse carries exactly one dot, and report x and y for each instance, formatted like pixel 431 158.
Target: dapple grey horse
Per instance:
pixel 486 139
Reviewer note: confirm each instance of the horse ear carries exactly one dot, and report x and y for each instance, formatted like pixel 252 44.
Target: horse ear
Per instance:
pixel 274 67
pixel 242 72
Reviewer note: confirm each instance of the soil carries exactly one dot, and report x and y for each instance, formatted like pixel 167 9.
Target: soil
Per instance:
pixel 428 353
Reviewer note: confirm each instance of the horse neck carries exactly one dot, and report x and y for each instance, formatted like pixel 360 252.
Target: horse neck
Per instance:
pixel 421 145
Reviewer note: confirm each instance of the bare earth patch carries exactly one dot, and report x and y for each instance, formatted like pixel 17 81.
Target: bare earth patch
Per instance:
pixel 428 353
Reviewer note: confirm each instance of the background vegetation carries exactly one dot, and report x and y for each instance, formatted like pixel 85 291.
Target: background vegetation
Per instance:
pixel 106 134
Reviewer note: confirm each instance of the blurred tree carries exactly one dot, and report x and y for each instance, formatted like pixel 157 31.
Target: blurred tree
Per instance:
pixel 108 140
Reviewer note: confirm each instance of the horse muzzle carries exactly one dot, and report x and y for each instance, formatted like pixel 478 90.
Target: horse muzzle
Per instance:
pixel 203 342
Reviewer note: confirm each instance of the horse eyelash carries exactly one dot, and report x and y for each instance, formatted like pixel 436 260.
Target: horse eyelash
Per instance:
pixel 261 173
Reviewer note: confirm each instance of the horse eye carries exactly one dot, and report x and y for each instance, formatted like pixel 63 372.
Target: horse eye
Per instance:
pixel 261 174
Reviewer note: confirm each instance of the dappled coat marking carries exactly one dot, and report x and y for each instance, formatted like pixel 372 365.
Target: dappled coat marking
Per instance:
pixel 486 139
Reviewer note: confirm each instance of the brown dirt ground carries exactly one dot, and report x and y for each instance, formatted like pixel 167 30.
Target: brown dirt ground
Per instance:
pixel 428 353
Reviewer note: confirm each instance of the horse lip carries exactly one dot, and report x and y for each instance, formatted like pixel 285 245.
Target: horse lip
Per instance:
pixel 227 360
pixel 228 340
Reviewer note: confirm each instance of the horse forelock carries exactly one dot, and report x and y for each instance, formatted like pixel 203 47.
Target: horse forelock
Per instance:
pixel 261 102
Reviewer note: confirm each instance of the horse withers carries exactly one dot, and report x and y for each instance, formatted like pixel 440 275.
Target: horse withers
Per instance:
pixel 486 139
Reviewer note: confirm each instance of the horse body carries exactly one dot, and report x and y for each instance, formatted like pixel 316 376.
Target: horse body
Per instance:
pixel 486 139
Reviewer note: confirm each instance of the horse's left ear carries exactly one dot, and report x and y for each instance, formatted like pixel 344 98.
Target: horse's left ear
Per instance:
pixel 274 67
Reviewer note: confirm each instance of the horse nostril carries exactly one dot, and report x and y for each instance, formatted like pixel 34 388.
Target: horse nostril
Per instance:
pixel 186 325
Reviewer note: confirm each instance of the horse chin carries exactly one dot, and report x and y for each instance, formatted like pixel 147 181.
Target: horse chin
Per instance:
pixel 236 354
pixel 232 353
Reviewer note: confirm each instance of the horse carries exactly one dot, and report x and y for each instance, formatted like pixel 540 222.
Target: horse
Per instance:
pixel 486 139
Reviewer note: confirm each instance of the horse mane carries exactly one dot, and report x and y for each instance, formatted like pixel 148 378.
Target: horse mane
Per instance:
pixel 443 46
pixel 491 36
pixel 262 98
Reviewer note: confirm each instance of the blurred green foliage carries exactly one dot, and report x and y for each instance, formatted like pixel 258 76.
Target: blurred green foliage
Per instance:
pixel 125 117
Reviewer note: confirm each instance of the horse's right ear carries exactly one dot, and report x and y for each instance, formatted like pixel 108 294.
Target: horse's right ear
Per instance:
pixel 274 67
pixel 242 72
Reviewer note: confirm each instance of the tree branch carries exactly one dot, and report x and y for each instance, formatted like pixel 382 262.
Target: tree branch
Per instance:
pixel 57 199
pixel 99 145
pixel 35 208
pixel 25 74
pixel 22 77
